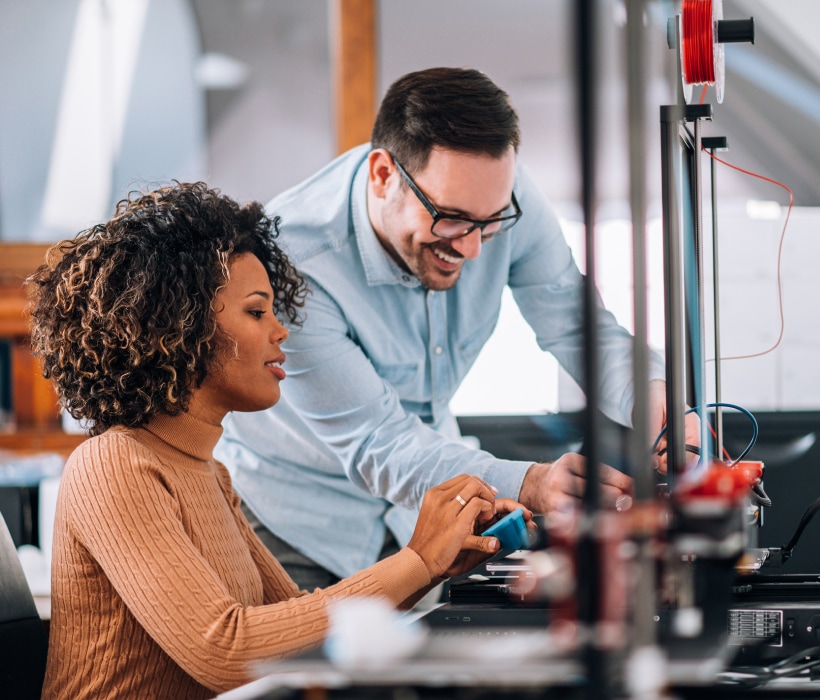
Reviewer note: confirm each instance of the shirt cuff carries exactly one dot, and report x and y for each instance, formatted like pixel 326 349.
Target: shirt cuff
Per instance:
pixel 508 477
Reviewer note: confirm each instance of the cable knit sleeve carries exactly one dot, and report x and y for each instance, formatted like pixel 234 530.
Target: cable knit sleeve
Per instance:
pixel 193 576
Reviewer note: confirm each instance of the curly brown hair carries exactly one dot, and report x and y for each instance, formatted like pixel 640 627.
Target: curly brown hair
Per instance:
pixel 123 315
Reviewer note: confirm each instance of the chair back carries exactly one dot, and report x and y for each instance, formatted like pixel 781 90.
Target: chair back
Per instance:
pixel 23 641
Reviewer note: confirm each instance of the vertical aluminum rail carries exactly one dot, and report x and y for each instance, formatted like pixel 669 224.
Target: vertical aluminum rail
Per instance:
pixel 698 323
pixel 644 603
pixel 589 569
pixel 674 333
pixel 671 118
pixel 712 144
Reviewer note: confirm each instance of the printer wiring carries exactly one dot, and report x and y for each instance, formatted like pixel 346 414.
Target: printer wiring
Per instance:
pixel 780 555
pixel 755 676
pixel 721 404
pixel 779 256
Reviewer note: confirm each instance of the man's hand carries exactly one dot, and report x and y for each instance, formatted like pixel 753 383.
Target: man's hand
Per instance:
pixel 554 486
pixel 657 422
pixel 560 485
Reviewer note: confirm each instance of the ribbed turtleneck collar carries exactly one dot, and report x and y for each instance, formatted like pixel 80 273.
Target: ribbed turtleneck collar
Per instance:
pixel 186 433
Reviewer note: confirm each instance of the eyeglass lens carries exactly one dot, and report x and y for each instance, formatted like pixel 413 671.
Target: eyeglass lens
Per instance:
pixel 455 228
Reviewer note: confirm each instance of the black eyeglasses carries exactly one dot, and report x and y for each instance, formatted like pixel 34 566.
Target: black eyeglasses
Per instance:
pixel 450 227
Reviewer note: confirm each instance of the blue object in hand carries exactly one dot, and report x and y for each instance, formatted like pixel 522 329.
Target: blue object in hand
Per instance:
pixel 511 531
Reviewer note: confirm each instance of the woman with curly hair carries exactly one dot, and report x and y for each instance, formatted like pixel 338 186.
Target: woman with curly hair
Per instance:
pixel 153 326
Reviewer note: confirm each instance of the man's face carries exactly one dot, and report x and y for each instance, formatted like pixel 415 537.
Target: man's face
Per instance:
pixel 457 184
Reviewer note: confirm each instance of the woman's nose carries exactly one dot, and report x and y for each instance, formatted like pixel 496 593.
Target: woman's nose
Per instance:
pixel 279 334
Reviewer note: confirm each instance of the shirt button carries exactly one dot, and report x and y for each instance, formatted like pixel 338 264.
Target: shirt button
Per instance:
pixel 406 278
pixel 438 350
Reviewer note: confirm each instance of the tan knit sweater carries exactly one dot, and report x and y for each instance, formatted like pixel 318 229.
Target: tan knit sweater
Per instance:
pixel 160 588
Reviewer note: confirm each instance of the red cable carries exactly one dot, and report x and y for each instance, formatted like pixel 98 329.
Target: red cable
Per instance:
pixel 714 435
pixel 779 254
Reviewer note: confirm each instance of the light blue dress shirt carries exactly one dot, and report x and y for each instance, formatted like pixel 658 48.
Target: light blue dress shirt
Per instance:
pixel 363 428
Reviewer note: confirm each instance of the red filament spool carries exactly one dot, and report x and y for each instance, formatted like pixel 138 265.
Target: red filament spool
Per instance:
pixel 701 54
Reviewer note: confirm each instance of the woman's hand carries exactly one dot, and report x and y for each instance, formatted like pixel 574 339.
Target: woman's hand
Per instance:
pixel 451 514
pixel 476 548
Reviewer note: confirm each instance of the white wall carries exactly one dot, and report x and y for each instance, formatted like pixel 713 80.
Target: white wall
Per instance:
pixel 785 377
pixel 274 128
pixel 98 97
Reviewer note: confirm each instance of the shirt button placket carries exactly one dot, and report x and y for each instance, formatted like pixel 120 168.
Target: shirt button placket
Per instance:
pixel 439 368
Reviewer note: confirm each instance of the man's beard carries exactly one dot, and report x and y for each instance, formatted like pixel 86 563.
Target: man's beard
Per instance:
pixel 431 277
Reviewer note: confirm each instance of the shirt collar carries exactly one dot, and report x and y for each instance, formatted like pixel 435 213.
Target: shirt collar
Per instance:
pixel 379 267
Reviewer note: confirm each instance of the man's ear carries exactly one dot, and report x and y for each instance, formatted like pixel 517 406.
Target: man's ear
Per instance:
pixel 380 170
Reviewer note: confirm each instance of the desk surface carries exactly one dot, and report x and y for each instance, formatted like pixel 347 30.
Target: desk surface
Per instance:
pixel 516 664
pixel 471 679
pixel 430 677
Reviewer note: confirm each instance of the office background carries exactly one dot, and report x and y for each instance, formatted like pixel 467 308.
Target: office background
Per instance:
pixel 103 96
pixel 98 97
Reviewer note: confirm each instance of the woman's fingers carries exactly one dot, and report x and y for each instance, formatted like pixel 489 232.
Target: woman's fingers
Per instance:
pixel 464 487
pixel 477 543
pixel 451 516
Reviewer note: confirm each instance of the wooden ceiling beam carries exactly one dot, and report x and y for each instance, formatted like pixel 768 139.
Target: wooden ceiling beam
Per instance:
pixel 354 69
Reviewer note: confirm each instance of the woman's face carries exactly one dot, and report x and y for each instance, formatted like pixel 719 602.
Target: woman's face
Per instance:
pixel 248 369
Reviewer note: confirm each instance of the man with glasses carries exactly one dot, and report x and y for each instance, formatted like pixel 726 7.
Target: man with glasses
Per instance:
pixel 407 244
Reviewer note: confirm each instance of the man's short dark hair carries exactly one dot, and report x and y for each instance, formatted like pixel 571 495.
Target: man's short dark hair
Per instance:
pixel 458 109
